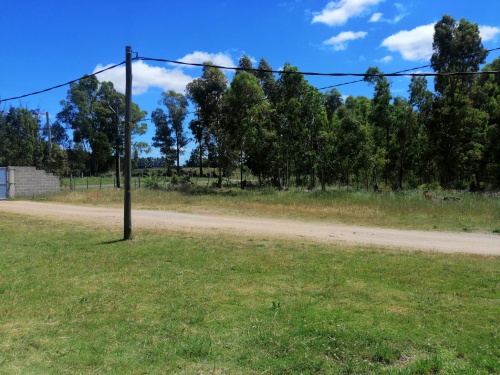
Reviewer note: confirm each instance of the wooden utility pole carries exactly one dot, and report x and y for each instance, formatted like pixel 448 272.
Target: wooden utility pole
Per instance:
pixel 127 214
pixel 118 144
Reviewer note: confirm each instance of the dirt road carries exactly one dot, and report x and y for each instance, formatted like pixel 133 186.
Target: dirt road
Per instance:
pixel 473 243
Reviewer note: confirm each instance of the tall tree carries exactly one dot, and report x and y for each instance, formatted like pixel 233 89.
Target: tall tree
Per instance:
pixel 94 111
pixel 486 96
pixel 267 80
pixel 333 101
pixel 291 90
pixel 404 142
pixel 200 134
pixel 458 129
pixel 208 94
pixel 245 102
pixel 20 142
pixel 246 65
pixel 421 100
pixel 176 105
pixel 380 118
pixel 163 138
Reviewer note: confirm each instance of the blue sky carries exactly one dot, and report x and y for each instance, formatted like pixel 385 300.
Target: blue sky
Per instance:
pixel 46 43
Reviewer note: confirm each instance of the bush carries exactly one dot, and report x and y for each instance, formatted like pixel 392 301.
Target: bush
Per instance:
pixel 153 181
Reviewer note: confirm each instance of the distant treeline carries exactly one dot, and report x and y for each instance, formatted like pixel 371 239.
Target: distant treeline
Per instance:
pixel 286 132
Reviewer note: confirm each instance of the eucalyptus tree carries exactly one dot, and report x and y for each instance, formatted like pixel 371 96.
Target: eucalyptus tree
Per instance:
pixel 94 111
pixel 20 141
pixel 421 99
pixel 458 130
pixel 486 96
pixel 347 143
pixel 245 65
pixel 245 107
pixel 333 101
pixel 208 95
pixel 177 110
pixel 267 80
pixel 404 141
pixel 381 120
pixel 291 90
pixel 314 119
pixel 163 138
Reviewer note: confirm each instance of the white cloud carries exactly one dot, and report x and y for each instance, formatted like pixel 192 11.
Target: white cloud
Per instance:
pixel 385 60
pixel 375 17
pixel 414 44
pixel 144 77
pixel 338 13
pixel 488 33
pixel 199 57
pixel 339 42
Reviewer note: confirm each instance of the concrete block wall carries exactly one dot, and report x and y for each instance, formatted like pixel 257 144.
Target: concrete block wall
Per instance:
pixel 28 181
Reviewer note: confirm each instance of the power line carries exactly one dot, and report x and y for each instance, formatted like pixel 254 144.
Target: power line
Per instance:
pixel 61 85
pixel 397 74
pixel 401 73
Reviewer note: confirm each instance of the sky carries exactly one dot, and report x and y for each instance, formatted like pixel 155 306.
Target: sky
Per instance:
pixel 51 42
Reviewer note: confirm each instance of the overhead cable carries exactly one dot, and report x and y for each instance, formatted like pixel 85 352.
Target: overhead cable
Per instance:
pixel 401 73
pixel 406 70
pixel 397 74
pixel 63 84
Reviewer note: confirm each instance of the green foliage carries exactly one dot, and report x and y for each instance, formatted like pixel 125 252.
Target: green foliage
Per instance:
pixel 95 112
pixel 169 126
pixel 153 181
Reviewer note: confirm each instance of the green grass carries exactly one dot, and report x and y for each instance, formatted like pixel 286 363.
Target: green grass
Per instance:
pixel 409 210
pixel 76 299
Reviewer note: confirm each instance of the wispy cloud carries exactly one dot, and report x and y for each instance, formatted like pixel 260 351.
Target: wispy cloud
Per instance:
pixel 338 13
pixel 401 13
pixel 339 42
pixel 413 45
pixel 385 60
pixel 375 17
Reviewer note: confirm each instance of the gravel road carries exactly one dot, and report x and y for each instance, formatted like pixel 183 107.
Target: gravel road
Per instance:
pixel 447 242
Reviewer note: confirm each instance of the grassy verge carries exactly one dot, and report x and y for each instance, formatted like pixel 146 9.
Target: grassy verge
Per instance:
pixel 409 210
pixel 77 300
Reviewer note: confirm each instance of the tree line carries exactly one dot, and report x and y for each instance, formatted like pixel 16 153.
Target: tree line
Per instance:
pixel 286 132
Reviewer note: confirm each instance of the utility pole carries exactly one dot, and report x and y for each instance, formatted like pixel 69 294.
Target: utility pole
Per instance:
pixel 127 214
pixel 118 144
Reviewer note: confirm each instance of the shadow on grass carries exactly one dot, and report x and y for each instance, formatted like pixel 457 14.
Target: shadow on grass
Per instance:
pixel 114 241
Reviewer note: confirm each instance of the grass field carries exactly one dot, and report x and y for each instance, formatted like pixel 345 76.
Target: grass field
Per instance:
pixel 76 299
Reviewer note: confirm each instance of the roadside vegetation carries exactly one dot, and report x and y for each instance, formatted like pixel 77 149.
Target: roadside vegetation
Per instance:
pixel 77 299
pixel 404 210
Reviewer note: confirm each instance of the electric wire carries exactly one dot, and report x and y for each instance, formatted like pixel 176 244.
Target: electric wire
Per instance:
pixel 406 70
pixel 401 73
pixel 63 84
pixel 397 74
